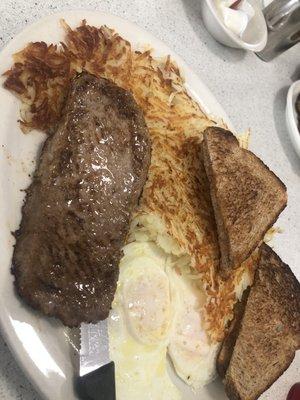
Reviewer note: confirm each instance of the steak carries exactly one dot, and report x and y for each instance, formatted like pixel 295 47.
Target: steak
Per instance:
pixel 77 210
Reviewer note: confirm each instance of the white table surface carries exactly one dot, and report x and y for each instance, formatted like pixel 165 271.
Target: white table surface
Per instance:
pixel 252 92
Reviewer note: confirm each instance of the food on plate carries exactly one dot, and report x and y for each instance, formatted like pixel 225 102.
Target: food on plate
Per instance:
pixel 77 210
pixel 247 197
pixel 267 332
pixel 175 212
pixel 170 298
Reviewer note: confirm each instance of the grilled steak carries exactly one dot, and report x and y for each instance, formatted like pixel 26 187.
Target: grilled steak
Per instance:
pixel 77 210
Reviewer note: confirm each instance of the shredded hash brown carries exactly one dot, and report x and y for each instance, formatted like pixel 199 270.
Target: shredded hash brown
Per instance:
pixel 177 189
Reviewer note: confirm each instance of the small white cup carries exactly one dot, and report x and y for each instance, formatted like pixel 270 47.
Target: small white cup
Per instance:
pixel 291 115
pixel 255 36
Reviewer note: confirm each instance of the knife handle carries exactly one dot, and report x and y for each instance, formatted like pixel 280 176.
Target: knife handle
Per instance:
pixel 98 384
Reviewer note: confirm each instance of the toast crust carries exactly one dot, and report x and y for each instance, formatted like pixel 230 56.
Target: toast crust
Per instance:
pixel 228 344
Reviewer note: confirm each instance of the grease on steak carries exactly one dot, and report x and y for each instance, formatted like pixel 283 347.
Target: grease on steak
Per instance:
pixel 77 210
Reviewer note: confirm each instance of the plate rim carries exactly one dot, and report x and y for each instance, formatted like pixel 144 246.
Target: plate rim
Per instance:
pixel 211 107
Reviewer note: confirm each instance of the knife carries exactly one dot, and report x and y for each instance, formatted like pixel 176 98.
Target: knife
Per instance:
pixel 96 379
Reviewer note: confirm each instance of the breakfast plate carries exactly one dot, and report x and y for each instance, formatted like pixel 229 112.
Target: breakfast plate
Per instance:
pixel 43 347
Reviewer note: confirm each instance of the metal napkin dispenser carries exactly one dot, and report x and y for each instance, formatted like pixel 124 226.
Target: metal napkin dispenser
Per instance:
pixel 283 22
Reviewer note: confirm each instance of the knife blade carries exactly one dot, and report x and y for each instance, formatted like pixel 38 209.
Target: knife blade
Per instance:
pixel 96 379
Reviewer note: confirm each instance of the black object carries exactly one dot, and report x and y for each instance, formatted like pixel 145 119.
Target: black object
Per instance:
pixel 97 385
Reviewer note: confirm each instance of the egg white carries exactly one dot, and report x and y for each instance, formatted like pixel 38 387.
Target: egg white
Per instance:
pixel 157 311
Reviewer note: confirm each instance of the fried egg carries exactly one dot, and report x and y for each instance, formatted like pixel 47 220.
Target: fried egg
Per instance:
pixel 157 311
pixel 140 324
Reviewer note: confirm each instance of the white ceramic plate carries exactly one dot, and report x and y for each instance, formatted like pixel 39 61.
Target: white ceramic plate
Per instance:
pixel 41 345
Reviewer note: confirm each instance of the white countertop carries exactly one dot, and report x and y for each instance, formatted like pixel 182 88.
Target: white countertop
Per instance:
pixel 252 92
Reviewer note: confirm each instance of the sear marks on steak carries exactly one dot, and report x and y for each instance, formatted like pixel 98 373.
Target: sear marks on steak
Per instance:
pixel 77 210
